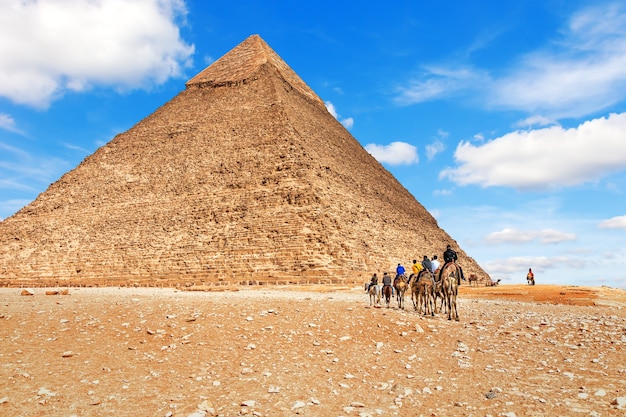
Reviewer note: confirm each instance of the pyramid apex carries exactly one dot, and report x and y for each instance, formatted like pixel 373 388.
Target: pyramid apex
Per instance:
pixel 243 62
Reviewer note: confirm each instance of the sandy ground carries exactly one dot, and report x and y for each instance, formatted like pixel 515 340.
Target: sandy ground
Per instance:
pixel 311 351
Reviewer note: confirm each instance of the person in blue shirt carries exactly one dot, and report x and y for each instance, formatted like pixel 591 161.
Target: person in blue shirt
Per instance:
pixel 400 270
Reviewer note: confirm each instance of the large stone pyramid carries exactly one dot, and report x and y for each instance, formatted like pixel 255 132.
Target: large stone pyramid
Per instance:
pixel 243 177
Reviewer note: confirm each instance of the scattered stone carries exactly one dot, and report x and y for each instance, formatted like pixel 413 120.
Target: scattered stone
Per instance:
pixel 27 291
pixel 620 403
pixel 44 391
pixel 298 404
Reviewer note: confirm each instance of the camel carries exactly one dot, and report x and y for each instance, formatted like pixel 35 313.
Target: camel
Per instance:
pixel 414 289
pixel 401 286
pixel 425 287
pixel 491 283
pixel 387 291
pixel 473 278
pixel 438 294
pixel 450 279
pixel 374 293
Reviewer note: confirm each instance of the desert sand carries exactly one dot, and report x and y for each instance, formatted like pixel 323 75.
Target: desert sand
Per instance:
pixel 311 351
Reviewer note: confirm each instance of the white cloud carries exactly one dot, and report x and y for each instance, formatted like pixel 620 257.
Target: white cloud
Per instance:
pixel 396 153
pixel 434 148
pixel 439 82
pixel 19 170
pixel 8 123
pixel 546 236
pixel 544 158
pixel 442 192
pixel 54 46
pixel 581 72
pixel 348 122
pixel 521 264
pixel 618 222
pixel 535 121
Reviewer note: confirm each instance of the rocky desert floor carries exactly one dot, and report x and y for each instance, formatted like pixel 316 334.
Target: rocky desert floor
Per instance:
pixel 311 351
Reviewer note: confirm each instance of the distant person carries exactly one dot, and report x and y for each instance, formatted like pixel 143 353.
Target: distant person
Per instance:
pixel 530 277
pixel 427 264
pixel 373 281
pixel 435 263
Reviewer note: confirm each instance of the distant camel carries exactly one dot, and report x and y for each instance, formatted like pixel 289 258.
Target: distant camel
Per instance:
pixel 473 278
pixel 491 283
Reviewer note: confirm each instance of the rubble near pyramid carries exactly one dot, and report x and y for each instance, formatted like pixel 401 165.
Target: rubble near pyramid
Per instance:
pixel 243 177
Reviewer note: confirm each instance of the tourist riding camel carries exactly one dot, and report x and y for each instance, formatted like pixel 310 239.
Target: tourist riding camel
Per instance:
pixel 373 281
pixel 450 256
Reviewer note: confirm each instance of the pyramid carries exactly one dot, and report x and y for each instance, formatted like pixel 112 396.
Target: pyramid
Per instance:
pixel 243 177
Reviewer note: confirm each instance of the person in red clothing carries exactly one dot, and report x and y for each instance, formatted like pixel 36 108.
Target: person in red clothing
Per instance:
pixel 530 277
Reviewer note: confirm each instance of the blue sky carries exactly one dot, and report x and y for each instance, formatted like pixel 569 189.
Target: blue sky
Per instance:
pixel 506 120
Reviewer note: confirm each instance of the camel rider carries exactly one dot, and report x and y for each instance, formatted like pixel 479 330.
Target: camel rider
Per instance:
pixel 435 263
pixel 427 264
pixel 386 280
pixel 373 281
pixel 416 268
pixel 450 256
pixel 400 270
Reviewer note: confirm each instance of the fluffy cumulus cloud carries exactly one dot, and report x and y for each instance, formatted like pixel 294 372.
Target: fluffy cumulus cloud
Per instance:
pixel 546 236
pixel 50 47
pixel 396 153
pixel 618 222
pixel 347 122
pixel 544 158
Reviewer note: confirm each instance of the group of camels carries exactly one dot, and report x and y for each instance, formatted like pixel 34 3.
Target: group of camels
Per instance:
pixel 426 290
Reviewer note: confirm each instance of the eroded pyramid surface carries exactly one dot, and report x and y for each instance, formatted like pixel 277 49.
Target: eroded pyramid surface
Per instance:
pixel 244 176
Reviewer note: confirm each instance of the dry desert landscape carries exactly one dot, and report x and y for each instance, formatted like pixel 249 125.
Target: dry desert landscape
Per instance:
pixel 311 351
